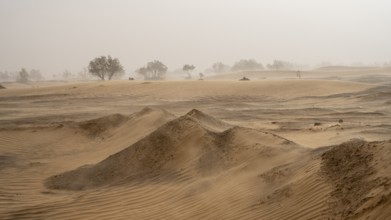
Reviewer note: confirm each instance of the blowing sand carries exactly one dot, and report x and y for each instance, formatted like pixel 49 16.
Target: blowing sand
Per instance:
pixel 273 148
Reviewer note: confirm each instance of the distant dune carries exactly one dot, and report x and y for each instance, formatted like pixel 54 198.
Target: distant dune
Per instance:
pixel 345 68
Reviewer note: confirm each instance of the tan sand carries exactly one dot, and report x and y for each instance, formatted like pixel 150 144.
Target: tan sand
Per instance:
pixel 272 148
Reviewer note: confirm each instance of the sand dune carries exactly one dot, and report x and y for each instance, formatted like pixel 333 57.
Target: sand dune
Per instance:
pixel 272 149
pixel 185 143
pixel 360 177
pixel 257 174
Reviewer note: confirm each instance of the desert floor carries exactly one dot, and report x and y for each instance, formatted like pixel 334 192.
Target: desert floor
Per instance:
pixel 275 147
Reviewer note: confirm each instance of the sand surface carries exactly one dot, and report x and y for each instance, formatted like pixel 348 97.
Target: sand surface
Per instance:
pixel 274 147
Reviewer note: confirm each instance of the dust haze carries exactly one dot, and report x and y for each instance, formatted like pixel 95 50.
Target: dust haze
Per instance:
pixel 54 36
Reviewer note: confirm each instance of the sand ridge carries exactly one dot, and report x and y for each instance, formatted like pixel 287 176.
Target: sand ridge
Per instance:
pixel 179 144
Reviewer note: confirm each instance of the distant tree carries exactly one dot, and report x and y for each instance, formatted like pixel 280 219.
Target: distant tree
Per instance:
pixel 114 68
pixel 83 74
pixel 280 65
pixel 387 64
pixel 143 71
pixel 154 70
pixel 66 74
pixel 188 69
pixel 105 67
pixel 157 68
pixel 4 76
pixel 243 65
pixel 23 76
pixel 201 76
pixel 298 74
pixel 98 67
pixel 219 67
pixel 36 75
pixel 323 64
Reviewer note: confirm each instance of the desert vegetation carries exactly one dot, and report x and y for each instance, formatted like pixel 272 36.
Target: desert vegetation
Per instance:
pixel 245 65
pixel 188 69
pixel 154 70
pixel 105 67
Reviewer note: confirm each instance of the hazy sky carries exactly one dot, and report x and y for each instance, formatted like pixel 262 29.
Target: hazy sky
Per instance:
pixel 54 35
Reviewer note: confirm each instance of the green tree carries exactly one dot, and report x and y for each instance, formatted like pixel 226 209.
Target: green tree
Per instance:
pixel 157 69
pixel 105 67
pixel 244 65
pixel 66 74
pixel 83 74
pixel 143 71
pixel 4 76
pixel 219 67
pixel 23 76
pixel 280 65
pixel 36 75
pixel 154 70
pixel 114 68
pixel 188 69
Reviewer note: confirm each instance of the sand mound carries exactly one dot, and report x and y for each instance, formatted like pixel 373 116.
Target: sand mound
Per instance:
pixel 97 126
pixel 157 115
pixel 111 123
pixel 207 121
pixel 360 177
pixel 185 143
pixel 149 110
pixel 2 87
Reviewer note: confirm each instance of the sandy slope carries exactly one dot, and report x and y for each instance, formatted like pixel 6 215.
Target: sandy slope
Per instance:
pixel 249 150
pixel 185 144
